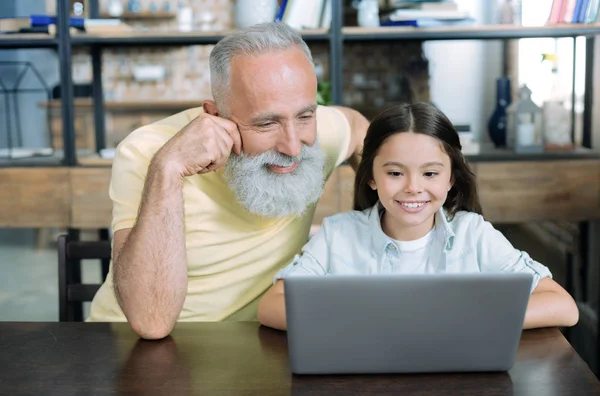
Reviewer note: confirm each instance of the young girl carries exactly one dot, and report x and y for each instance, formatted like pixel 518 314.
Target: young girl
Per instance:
pixel 416 211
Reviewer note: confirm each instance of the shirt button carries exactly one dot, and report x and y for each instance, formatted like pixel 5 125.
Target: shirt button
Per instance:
pixel 393 247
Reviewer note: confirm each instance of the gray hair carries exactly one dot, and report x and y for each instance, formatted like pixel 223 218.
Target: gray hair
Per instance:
pixel 253 40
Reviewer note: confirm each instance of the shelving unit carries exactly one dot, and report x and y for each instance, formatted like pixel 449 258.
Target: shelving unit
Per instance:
pixel 337 37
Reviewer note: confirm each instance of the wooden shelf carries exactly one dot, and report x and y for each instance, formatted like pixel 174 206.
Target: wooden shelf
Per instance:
pixel 125 105
pixel 172 37
pixel 141 15
pixel 487 32
pixel 505 155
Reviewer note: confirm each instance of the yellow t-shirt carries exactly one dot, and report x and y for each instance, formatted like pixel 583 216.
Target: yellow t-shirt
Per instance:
pixel 232 254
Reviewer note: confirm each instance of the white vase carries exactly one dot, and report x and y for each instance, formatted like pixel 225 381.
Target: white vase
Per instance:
pixel 368 13
pixel 115 8
pixel 251 12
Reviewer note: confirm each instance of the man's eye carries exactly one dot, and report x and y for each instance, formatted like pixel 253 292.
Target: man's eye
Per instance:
pixel 430 174
pixel 266 125
pixel 306 117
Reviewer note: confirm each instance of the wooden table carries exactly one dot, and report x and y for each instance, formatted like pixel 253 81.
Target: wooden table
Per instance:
pixel 245 358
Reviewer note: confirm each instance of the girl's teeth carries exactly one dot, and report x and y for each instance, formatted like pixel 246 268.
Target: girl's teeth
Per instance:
pixel 413 205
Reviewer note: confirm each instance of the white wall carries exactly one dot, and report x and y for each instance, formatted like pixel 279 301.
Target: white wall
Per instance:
pixel 463 73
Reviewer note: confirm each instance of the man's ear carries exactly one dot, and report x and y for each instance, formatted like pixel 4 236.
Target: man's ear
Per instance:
pixel 210 107
pixel 372 184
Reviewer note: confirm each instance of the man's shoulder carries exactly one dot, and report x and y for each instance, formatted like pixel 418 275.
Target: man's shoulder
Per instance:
pixel 333 130
pixel 328 116
pixel 148 139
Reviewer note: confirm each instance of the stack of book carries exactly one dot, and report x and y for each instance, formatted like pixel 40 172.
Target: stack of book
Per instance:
pixel 428 13
pixel 574 11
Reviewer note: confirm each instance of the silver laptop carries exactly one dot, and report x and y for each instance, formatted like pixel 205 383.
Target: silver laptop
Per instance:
pixel 405 323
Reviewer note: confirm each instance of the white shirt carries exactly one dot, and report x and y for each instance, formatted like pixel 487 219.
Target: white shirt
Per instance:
pixel 354 243
pixel 413 256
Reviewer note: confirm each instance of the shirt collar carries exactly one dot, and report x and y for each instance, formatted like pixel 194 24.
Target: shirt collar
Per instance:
pixel 442 229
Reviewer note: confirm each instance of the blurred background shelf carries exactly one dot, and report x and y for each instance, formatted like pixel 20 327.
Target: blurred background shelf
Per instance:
pixel 33 40
pixel 488 32
pixel 174 37
pixel 141 15
pixel 127 105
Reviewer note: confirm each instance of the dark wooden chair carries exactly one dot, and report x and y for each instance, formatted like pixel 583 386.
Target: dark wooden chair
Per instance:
pixel 71 292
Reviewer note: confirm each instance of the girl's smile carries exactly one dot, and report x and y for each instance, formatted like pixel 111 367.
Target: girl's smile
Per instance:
pixel 413 206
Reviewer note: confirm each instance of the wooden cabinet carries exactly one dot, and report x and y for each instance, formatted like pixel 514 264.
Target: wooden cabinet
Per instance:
pixel 34 197
pixel 510 192
pixel 91 206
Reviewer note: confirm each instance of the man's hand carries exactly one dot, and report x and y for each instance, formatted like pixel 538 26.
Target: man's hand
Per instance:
pixel 201 146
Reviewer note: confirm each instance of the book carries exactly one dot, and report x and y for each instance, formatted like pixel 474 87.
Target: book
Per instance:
pixel 45 20
pixel 281 11
pixel 581 7
pixel 408 15
pixel 592 11
pixel 555 11
pixel 435 6
pixel 569 11
pixel 562 11
pixel 428 23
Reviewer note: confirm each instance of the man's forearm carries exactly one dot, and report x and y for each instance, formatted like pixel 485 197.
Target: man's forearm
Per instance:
pixel 150 273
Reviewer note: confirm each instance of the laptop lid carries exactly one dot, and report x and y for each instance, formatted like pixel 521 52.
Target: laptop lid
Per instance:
pixel 405 323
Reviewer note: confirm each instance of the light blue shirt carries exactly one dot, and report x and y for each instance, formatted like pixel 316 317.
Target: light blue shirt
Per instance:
pixel 354 243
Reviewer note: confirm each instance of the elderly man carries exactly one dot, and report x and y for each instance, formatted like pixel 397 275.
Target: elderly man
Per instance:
pixel 209 203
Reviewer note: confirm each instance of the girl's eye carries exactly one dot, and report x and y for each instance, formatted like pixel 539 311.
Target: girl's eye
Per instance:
pixel 395 174
pixel 430 174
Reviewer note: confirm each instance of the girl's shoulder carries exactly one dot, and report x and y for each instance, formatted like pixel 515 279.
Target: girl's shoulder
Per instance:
pixel 465 221
pixel 353 218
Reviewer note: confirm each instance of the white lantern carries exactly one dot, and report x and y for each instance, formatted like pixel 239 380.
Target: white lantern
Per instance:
pixel 524 124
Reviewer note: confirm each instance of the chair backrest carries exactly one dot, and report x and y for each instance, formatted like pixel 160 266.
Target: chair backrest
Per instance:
pixel 71 292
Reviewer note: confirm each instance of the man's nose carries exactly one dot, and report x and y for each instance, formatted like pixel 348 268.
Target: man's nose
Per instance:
pixel 289 143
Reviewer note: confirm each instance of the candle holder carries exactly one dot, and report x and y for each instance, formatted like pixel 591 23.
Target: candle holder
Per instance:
pixel 524 124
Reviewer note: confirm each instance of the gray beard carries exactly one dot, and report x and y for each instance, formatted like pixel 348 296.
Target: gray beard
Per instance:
pixel 269 194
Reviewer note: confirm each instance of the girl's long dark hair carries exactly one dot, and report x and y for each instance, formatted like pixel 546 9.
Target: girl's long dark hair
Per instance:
pixel 417 118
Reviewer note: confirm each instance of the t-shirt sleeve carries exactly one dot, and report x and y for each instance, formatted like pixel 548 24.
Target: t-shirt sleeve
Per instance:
pixel 130 165
pixel 129 171
pixel 334 135
pixel 496 254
